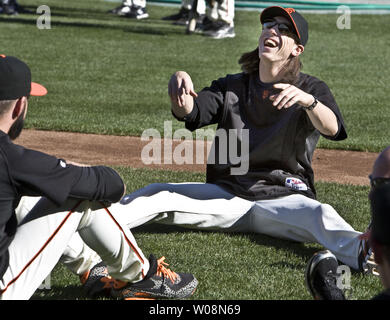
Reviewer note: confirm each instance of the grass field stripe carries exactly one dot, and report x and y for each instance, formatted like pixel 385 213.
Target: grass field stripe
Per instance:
pixel 127 239
pixel 42 248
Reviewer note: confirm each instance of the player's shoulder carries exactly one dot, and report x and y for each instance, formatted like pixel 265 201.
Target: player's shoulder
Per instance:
pixel 16 155
pixel 232 77
pixel 305 78
pixel 237 77
pixel 236 80
pixel 9 147
pixel 309 83
pixel 228 82
pixel 11 155
pixel 6 144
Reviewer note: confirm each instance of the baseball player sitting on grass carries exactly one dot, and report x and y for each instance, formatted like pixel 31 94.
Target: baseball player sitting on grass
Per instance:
pixel 283 112
pixel 68 213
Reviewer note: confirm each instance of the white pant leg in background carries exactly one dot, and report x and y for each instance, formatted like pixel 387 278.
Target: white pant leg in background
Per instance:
pixel 127 3
pixel 44 234
pixel 77 256
pixel 140 3
pixel 302 219
pixel 207 206
pixel 201 7
pixel 195 205
pixel 222 10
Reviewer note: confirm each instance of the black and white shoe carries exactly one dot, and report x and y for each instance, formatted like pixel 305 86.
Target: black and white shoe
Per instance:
pixel 203 25
pixel 9 7
pixel 136 12
pixel 159 283
pixel 219 30
pixel 121 10
pixel 180 18
pixel 321 277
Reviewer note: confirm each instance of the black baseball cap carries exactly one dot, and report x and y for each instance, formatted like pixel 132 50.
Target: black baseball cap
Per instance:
pixel 15 80
pixel 301 26
pixel 380 210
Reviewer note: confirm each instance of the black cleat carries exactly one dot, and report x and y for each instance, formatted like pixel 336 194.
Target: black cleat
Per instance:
pixel 136 12
pixel 183 14
pixel 321 277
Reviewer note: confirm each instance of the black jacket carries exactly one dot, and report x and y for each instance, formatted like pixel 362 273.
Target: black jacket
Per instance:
pixel 25 172
pixel 280 142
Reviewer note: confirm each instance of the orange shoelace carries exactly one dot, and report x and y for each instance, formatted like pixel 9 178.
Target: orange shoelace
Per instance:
pixel 162 270
pixel 110 282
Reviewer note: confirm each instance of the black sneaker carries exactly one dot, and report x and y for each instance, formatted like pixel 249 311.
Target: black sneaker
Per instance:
pixel 204 24
pixel 97 282
pixel 321 277
pixel 120 10
pixel 220 30
pixel 159 283
pixel 182 15
pixel 137 12
pixel 9 7
pixel 182 22
pixel 21 9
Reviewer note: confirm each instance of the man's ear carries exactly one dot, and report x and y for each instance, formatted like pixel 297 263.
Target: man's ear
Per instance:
pixel 19 107
pixel 298 50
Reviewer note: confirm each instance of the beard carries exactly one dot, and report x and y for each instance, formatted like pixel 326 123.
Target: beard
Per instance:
pixel 17 127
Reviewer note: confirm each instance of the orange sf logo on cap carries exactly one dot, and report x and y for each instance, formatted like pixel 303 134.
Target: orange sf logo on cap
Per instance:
pixel 290 10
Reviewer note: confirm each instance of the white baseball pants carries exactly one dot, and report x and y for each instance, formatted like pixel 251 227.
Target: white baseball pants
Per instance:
pixel 219 10
pixel 187 4
pixel 209 207
pixel 140 3
pixel 47 232
pixel 222 10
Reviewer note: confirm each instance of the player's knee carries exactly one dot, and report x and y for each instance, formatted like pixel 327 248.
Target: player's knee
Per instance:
pixel 324 213
pixel 158 187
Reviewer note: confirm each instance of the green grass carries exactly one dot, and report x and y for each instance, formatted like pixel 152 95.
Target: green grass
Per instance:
pixel 109 75
pixel 234 266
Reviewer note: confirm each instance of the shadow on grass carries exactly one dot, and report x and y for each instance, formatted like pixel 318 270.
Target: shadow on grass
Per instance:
pixel 151 27
pixel 297 248
pixel 71 292
pixel 54 10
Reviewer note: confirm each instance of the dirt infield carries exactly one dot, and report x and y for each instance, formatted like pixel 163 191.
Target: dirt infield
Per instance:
pixel 347 167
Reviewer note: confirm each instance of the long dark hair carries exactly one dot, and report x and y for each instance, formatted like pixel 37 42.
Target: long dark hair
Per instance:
pixel 250 62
